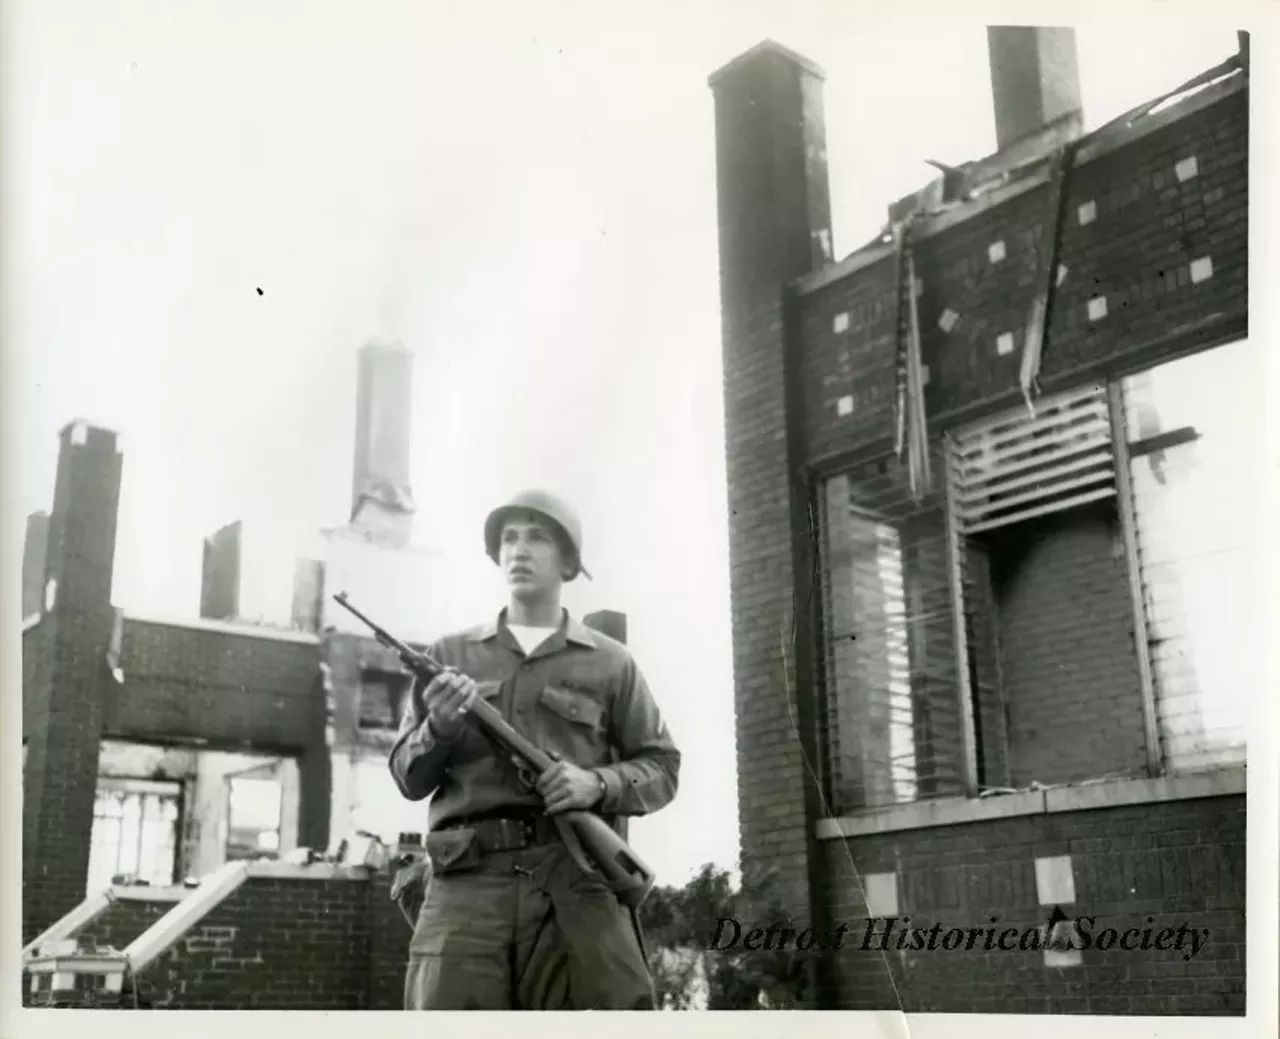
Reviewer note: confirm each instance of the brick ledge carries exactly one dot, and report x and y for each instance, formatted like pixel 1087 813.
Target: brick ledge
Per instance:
pixel 147 893
pixel 242 629
pixel 263 870
pixel 1080 797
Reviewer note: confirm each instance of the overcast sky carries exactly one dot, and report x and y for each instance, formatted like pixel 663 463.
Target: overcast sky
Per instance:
pixel 523 195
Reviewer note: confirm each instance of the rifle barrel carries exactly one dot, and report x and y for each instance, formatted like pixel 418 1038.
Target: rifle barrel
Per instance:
pixel 488 717
pixel 485 715
pixel 627 875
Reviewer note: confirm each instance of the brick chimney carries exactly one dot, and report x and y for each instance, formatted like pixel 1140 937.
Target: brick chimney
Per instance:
pixel 381 497
pixel 220 573
pixel 1035 79
pixel 774 211
pixel 609 622
pixel 64 695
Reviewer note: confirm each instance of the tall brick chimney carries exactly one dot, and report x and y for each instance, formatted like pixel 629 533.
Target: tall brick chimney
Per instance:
pixel 220 573
pixel 1035 79
pixel 384 429
pixel 775 226
pixel 65 697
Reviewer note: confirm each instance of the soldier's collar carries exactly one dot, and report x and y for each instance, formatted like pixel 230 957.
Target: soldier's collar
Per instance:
pixel 574 630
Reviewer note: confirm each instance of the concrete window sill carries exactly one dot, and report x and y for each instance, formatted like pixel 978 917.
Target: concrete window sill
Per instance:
pixel 1080 797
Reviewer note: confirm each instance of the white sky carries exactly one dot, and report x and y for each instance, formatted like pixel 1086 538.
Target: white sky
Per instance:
pixel 523 195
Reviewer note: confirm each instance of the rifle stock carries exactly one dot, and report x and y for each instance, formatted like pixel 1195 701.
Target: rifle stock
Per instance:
pixel 589 839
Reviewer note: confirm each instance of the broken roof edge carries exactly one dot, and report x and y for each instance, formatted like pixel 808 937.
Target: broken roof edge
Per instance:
pixel 1145 119
pixel 244 628
pixel 88 423
pixel 766 46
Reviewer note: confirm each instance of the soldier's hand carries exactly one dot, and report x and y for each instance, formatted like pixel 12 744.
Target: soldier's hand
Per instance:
pixel 447 698
pixel 564 786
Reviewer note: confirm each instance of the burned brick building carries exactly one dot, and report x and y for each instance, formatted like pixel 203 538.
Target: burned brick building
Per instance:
pixel 161 752
pixel 992 489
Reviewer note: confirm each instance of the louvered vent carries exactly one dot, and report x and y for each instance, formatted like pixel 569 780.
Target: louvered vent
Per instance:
pixel 1016 467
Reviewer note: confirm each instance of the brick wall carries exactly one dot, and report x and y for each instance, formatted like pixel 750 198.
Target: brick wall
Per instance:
pixel 66 667
pixel 774 221
pixel 182 684
pixel 1178 862
pixel 1136 252
pixel 36 661
pixel 771 808
pixel 1068 662
pixel 275 943
pixel 389 935
pixel 348 657
pixel 229 690
pixel 810 391
pixel 122 922
pixel 315 773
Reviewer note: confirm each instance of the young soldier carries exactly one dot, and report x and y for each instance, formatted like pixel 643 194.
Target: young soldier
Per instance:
pixel 509 921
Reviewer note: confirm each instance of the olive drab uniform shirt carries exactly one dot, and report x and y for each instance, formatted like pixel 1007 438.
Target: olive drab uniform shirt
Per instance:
pixel 578 694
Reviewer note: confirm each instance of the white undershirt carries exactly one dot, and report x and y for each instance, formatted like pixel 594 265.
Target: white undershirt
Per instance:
pixel 530 638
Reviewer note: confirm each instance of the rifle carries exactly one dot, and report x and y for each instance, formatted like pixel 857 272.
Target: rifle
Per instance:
pixel 588 837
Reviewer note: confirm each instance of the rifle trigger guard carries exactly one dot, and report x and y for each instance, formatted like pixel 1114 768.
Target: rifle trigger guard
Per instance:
pixel 526 774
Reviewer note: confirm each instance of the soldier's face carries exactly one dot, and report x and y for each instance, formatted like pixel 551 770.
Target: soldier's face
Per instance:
pixel 530 556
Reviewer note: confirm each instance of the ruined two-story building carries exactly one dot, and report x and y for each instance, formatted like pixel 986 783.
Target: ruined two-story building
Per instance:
pixel 993 487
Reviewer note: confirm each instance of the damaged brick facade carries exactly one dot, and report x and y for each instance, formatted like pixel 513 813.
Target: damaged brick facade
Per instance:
pixel 333 941
pixel 94 676
pixel 1026 668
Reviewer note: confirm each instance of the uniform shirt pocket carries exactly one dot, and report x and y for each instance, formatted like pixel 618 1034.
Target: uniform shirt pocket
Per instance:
pixel 575 724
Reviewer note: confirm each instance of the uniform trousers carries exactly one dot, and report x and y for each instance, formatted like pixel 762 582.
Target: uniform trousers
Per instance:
pixel 523 929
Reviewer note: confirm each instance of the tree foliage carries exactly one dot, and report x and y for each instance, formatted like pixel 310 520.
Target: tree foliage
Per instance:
pixel 681 925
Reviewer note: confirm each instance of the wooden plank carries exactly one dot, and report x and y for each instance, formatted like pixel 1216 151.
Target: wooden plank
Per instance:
pixel 1019 456
pixel 1037 495
pixel 993 487
pixel 71 924
pixel 955 586
pixel 77 963
pixel 975 477
pixel 1062 506
pixel 1163 441
pixel 1027 442
pixel 1137 595
pixel 979 484
pixel 1048 411
pixel 1029 436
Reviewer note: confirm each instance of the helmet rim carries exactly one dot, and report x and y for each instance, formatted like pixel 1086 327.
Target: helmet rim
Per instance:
pixel 541 505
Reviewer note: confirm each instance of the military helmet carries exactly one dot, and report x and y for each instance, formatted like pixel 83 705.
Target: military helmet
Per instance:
pixel 547 506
